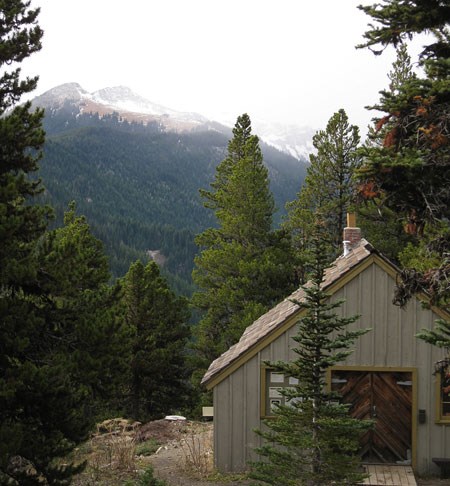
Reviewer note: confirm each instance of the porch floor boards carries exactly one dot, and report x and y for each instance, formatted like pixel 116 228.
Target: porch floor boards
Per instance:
pixel 389 474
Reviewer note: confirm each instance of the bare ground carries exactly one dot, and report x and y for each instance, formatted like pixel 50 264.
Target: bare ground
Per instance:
pixel 187 460
pixel 182 454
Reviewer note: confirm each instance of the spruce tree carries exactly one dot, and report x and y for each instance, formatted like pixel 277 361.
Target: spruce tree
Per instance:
pixel 329 186
pixel 381 225
pixel 74 274
pixel 21 137
pixel 409 171
pixel 43 403
pixel 312 439
pixel 158 326
pixel 243 266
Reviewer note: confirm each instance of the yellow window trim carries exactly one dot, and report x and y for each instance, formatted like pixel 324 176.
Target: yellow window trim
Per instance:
pixel 439 419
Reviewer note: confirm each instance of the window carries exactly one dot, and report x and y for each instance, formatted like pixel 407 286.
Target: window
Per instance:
pixel 272 383
pixel 443 402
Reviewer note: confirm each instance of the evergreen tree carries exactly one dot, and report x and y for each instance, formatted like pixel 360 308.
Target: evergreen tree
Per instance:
pixel 157 322
pixel 244 266
pixel 44 405
pixel 328 187
pixel 21 138
pixel 381 225
pixel 74 274
pixel 38 407
pixel 312 439
pixel 410 172
pixel 398 20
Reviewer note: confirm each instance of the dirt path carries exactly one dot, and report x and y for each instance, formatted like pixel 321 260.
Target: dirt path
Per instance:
pixel 187 460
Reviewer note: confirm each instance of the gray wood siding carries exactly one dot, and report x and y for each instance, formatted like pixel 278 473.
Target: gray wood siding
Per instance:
pixel 390 343
pixel 236 415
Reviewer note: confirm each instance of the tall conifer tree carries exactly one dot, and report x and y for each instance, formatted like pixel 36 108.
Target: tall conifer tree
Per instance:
pixel 158 329
pixel 244 266
pixel 74 274
pixel 42 401
pixel 409 171
pixel 381 225
pixel 328 187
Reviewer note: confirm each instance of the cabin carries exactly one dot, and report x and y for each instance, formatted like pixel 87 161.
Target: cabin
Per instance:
pixel 392 377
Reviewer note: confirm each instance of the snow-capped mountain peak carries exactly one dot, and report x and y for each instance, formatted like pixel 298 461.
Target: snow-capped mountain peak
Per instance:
pixel 294 140
pixel 120 99
pixel 59 94
pixel 291 139
pixel 125 99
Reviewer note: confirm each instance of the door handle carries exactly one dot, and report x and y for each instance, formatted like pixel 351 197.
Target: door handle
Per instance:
pixel 374 411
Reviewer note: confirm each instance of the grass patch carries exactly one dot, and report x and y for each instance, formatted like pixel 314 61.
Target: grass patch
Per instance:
pixel 218 477
pixel 147 479
pixel 147 448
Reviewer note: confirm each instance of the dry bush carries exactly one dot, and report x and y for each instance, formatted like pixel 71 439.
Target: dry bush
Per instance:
pixel 198 452
pixel 113 445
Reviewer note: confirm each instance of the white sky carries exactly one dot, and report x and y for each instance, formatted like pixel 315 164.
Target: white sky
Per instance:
pixel 287 61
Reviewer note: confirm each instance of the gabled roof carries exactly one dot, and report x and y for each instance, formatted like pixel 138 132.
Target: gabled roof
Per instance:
pixel 272 320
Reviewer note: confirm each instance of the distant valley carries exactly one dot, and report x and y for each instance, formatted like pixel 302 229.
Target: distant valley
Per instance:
pixel 135 168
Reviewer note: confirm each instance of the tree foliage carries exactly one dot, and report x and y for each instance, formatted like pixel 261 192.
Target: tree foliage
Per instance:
pixel 409 171
pixel 157 322
pixel 312 439
pixel 49 282
pixel 329 186
pixel 382 225
pixel 398 20
pixel 74 274
pixel 243 266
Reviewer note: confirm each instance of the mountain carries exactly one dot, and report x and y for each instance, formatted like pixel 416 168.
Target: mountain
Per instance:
pixel 71 97
pixel 137 179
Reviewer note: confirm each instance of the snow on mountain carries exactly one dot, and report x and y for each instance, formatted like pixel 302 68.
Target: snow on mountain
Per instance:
pixel 56 97
pixel 124 99
pixel 291 139
pixel 120 99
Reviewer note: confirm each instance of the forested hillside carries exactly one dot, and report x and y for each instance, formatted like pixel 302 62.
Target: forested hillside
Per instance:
pixel 139 186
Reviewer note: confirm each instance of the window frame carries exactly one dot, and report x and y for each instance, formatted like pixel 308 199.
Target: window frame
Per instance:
pixel 440 417
pixel 265 409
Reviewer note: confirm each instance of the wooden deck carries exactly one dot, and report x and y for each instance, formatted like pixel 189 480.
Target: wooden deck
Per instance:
pixel 387 474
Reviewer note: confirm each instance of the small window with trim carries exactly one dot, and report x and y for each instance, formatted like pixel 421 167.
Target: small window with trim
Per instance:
pixel 443 384
pixel 272 384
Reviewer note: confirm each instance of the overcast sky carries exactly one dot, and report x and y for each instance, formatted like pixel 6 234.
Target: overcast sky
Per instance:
pixel 287 61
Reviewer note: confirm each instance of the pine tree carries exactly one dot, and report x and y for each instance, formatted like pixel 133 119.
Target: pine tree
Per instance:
pixel 43 403
pixel 328 187
pixel 21 138
pixel 58 359
pixel 398 20
pixel 157 322
pixel 244 266
pixel 409 172
pixel 312 439
pixel 74 274
pixel 381 225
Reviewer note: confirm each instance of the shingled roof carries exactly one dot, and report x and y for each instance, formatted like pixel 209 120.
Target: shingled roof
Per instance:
pixel 275 317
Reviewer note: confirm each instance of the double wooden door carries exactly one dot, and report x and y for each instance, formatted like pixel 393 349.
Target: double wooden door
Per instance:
pixel 386 398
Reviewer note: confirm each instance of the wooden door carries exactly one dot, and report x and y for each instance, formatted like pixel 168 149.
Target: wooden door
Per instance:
pixel 386 398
